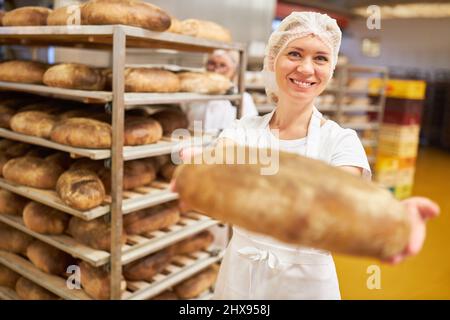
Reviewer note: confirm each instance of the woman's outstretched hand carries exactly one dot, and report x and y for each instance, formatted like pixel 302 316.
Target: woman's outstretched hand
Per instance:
pixel 419 210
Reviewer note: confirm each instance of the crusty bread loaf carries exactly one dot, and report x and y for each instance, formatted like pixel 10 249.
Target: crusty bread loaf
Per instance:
pixel 166 295
pixel 151 80
pixel 200 241
pixel 205 29
pixel 206 83
pixel 43 219
pixel 74 76
pixel 28 290
pixel 310 204
pixel 11 203
pixel 69 15
pixel 136 173
pixel 94 233
pixel 96 281
pixel 83 133
pixel 197 284
pixel 49 259
pixel 80 189
pixel 34 123
pixel 61 159
pixel 88 164
pixel 151 219
pixel 8 278
pixel 139 131
pixel 127 12
pixel 32 172
pixel 13 240
pixel 22 71
pixel 167 171
pixel 26 16
pixel 146 268
pixel 170 120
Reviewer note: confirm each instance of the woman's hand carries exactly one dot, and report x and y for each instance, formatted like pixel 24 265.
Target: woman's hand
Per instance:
pixel 419 210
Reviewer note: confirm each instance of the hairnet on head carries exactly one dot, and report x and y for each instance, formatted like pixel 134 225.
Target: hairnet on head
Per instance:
pixel 298 25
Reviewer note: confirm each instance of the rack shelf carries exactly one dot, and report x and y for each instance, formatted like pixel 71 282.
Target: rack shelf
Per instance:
pixel 8 294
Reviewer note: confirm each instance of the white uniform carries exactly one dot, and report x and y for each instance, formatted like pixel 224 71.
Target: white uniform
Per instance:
pixel 256 266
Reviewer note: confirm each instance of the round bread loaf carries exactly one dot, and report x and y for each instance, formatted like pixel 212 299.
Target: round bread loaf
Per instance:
pixel 94 233
pixel 80 189
pixel 171 120
pixel 200 241
pixel 11 203
pixel 151 80
pixel 205 29
pixel 127 12
pixel 139 131
pixel 32 172
pixel 43 219
pixel 13 240
pixel 34 123
pixel 74 76
pixel 82 133
pixel 205 83
pixel 96 281
pixel 151 219
pixel 197 284
pixel 136 173
pixel 28 290
pixel 49 259
pixel 26 16
pixel 22 71
pixel 8 278
pixel 69 15
pixel 146 268
pixel 61 159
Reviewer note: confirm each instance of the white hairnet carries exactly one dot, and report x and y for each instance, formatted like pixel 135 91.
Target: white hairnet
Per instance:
pixel 298 25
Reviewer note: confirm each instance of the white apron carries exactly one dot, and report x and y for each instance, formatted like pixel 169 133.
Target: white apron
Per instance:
pixel 257 267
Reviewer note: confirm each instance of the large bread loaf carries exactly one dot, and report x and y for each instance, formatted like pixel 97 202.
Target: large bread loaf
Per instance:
pixel 139 131
pixel 197 284
pixel 34 123
pixel 26 16
pixel 8 278
pixel 146 268
pixel 74 76
pixel 306 202
pixel 171 120
pixel 22 71
pixel 43 219
pixel 204 29
pixel 13 240
pixel 151 80
pixel 96 282
pixel 49 259
pixel 200 241
pixel 206 83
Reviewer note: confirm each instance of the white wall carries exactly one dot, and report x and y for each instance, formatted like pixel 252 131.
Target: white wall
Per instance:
pixel 407 43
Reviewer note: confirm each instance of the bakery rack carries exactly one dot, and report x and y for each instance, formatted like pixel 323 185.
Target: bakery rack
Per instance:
pixel 116 38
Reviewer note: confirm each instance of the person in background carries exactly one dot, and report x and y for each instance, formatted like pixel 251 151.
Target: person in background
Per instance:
pixel 219 114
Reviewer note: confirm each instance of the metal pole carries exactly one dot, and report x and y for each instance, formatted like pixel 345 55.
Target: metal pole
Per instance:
pixel 118 115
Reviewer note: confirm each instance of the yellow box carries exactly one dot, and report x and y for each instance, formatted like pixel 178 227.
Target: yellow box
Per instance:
pixel 404 191
pixel 399 88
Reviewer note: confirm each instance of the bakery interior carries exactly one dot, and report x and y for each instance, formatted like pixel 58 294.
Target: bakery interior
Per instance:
pixel 69 95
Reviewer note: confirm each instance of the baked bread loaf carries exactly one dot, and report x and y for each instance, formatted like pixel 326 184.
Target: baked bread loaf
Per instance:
pixel 167 171
pixel 205 29
pixel 22 71
pixel 200 241
pixel 13 240
pixel 96 281
pixel 317 205
pixel 205 83
pixel 34 123
pixel 49 259
pixel 61 159
pixel 69 15
pixel 80 189
pixel 26 16
pixel 74 76
pixel 151 80
pixel 28 290
pixel 94 233
pixel 139 131
pixel 11 203
pixel 146 268
pixel 8 278
pixel 136 173
pixel 171 120
pixel 127 12
pixel 82 133
pixel 43 219
pixel 32 172
pixel 197 284
pixel 151 219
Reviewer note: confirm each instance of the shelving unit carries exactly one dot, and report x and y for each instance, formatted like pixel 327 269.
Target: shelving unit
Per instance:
pixel 116 38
